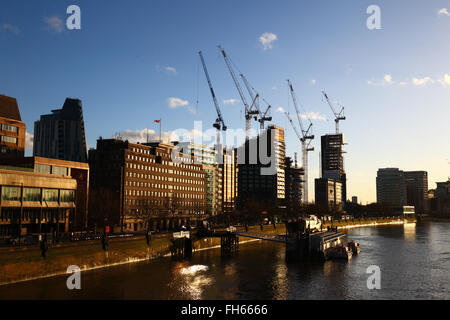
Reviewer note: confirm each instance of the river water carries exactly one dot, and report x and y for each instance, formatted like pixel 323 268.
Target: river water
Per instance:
pixel 414 260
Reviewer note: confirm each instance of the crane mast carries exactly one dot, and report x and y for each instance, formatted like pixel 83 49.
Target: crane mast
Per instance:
pixel 219 124
pixel 261 117
pixel 249 111
pixel 305 139
pixel 338 116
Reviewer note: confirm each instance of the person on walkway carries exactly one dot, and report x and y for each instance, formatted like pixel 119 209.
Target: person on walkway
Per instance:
pixel 43 245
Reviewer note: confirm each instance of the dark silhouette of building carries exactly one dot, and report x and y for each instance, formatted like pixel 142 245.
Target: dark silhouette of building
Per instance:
pixel 333 160
pixel 328 194
pixel 12 129
pixel 261 175
pixel 293 184
pixel 417 190
pixel 391 187
pixel 61 135
pixel 138 186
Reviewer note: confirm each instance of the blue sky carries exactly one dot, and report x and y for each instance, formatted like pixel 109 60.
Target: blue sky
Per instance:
pixel 130 58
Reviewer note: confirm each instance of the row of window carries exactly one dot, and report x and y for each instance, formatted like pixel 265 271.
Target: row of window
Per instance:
pixel 163 170
pixel 7 127
pixel 184 162
pixel 178 180
pixel 44 168
pixel 160 194
pixel 8 139
pixel 179 204
pixel 34 194
pixel 161 186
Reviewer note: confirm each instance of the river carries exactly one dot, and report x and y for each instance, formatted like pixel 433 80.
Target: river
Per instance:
pixel 414 260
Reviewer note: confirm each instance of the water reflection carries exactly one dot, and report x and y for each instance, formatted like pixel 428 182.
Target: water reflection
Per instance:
pixel 190 280
pixel 409 231
pixel 280 283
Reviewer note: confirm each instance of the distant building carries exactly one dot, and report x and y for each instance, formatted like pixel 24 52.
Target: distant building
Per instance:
pixel 207 157
pixel 230 173
pixel 293 184
pixel 391 187
pixel 442 198
pixel 332 158
pixel 61 135
pixel 262 181
pixel 417 190
pixel 140 186
pixel 355 200
pixel 328 194
pixel 12 129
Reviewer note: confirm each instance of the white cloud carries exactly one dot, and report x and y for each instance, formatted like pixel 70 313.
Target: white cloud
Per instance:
pixel 171 69
pixel 54 23
pixel 313 81
pixel 422 81
pixel 387 80
pixel 445 81
pixel 443 12
pixel 29 139
pixel 280 109
pixel 266 39
pixel 313 116
pixel 140 136
pixel 180 103
pixel 11 28
pixel 230 101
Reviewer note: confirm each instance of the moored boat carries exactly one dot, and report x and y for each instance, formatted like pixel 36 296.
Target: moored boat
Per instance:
pixel 339 252
pixel 354 247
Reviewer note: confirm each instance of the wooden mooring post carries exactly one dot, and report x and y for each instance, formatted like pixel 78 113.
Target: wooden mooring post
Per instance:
pixel 229 243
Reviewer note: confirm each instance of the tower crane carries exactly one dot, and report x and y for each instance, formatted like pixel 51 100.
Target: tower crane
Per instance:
pixel 338 116
pixel 261 117
pixel 219 124
pixel 305 138
pixel 249 110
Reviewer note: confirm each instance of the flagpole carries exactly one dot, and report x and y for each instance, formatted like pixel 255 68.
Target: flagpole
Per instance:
pixel 160 140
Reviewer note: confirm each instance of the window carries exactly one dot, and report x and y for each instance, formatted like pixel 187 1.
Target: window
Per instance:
pixel 60 171
pixel 32 194
pixel 11 193
pixel 67 196
pixel 50 195
pixel 9 139
pixel 42 168
pixel 7 127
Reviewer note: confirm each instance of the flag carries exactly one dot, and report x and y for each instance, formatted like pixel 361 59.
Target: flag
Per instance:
pixel 157 121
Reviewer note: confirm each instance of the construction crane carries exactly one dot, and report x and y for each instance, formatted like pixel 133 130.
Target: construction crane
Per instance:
pixel 261 117
pixel 338 116
pixel 249 110
pixel 305 138
pixel 219 124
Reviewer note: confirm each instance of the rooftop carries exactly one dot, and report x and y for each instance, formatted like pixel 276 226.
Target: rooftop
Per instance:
pixel 9 108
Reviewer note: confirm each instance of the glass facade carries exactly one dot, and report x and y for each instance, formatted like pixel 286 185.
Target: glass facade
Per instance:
pixel 50 195
pixel 7 127
pixel 8 139
pixel 67 196
pixel 11 193
pixel 42 168
pixel 31 194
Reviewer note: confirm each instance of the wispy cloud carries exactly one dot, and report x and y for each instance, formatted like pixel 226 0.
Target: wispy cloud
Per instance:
pixel 29 139
pixel 171 69
pixel 387 80
pixel 11 28
pixel 54 23
pixel 151 135
pixel 313 116
pixel 443 12
pixel 266 39
pixel 230 101
pixel 175 103
pixel 445 80
pixel 280 109
pixel 313 81
pixel 422 81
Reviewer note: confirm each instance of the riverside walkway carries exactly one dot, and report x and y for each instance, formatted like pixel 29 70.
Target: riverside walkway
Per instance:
pixel 262 236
